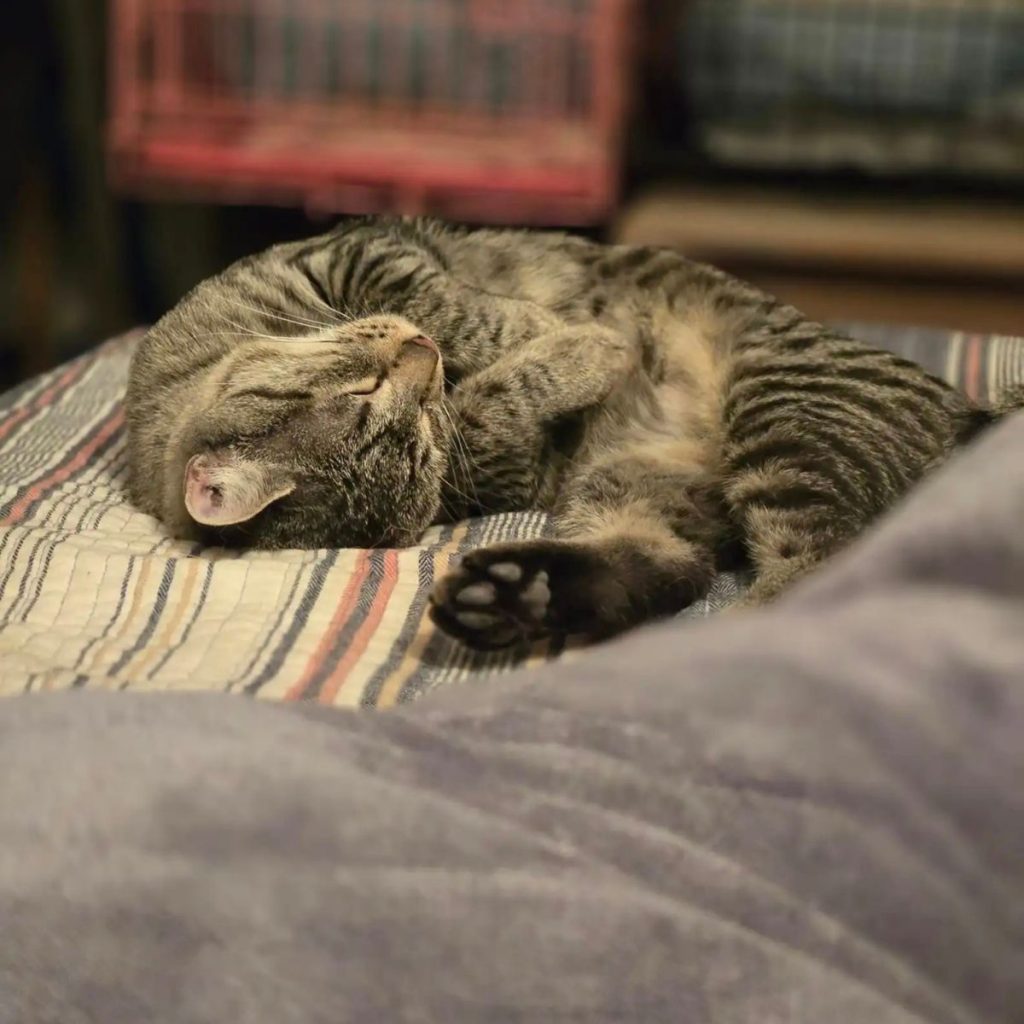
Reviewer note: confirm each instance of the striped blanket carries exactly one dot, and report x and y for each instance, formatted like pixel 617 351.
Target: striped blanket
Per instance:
pixel 92 592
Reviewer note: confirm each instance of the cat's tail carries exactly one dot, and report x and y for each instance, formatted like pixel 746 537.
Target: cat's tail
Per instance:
pixel 981 417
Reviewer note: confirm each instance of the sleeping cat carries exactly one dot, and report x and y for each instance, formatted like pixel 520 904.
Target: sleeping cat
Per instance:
pixel 353 389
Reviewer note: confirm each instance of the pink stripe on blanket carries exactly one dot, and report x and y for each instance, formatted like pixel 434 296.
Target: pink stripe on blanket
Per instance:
pixel 75 462
pixel 44 398
pixel 333 684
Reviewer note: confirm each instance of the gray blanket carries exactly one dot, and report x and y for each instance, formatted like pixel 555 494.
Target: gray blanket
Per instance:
pixel 808 816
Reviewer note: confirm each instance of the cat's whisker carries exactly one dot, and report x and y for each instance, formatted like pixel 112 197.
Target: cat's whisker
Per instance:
pixel 239 330
pixel 290 317
pixel 341 317
pixel 451 483
pixel 248 330
pixel 463 456
pixel 467 479
pixel 446 508
pixel 466 453
pixel 474 504
pixel 294 319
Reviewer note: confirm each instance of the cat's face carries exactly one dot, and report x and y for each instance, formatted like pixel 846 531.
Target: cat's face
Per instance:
pixel 333 440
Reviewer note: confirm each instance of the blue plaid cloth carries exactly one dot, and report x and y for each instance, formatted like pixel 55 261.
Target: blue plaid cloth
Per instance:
pixel 815 81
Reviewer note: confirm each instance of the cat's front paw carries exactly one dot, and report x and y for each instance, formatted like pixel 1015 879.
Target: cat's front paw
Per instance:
pixel 495 598
pixel 510 594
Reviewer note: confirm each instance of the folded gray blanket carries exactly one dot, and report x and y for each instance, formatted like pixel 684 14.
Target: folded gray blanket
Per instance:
pixel 813 815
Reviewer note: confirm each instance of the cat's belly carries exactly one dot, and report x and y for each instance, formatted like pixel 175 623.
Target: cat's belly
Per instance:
pixel 675 401
pixel 697 366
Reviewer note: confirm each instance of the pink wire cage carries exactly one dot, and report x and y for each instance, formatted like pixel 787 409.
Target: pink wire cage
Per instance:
pixel 495 110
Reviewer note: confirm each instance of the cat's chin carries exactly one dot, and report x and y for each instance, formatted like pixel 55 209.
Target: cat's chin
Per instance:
pixel 409 536
pixel 401 539
pixel 409 540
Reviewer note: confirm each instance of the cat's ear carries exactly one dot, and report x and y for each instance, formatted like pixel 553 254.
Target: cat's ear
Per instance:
pixel 223 490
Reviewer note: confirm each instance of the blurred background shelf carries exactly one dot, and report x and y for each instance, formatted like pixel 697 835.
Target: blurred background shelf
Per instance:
pixel 850 256
pixel 478 109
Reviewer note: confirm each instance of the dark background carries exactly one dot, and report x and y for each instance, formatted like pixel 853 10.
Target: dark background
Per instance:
pixel 81 262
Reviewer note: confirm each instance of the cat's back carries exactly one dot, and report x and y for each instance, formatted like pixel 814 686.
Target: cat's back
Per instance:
pixel 548 268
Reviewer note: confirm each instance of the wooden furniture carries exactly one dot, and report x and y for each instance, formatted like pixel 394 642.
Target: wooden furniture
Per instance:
pixel 924 262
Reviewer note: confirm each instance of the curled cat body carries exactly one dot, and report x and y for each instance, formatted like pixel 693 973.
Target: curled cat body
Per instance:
pixel 358 387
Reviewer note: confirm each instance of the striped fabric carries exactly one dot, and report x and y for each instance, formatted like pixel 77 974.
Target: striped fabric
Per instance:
pixel 92 593
pixel 885 84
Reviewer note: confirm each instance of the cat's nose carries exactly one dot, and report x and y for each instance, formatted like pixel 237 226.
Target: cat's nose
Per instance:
pixel 417 364
pixel 423 342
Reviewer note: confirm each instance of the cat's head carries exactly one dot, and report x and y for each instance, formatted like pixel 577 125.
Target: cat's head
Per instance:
pixel 333 440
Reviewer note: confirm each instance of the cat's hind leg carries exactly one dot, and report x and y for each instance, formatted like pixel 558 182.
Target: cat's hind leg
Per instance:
pixel 637 536
pixel 792 494
pixel 821 435
pixel 781 550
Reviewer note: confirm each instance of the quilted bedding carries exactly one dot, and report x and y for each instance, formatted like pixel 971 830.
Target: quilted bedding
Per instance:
pixel 93 593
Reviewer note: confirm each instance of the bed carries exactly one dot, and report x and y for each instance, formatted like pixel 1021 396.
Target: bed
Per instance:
pixel 811 816
pixel 93 594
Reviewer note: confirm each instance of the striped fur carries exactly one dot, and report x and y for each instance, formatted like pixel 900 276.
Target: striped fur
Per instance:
pixel 665 414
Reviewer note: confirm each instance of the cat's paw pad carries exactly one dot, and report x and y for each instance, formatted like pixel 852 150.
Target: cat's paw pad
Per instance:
pixel 492 600
pixel 507 572
pixel 485 600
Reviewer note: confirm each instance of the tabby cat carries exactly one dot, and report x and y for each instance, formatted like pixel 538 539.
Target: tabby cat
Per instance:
pixel 355 388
